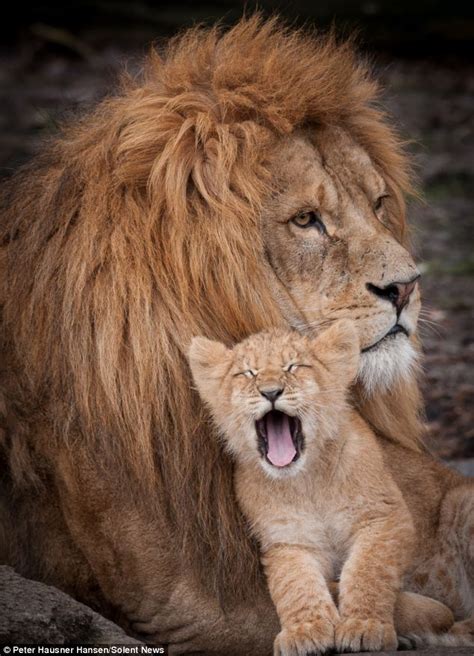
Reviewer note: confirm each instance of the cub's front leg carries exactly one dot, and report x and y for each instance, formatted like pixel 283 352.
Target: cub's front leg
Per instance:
pixel 306 610
pixel 371 579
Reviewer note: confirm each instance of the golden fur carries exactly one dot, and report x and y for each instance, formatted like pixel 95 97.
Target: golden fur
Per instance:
pixel 134 229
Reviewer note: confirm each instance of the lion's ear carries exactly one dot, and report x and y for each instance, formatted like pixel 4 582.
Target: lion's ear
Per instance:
pixel 338 349
pixel 209 362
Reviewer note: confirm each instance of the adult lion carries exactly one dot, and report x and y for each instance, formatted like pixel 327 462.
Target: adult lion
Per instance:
pixel 246 180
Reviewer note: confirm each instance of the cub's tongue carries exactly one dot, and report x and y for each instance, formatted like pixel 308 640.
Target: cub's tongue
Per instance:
pixel 281 449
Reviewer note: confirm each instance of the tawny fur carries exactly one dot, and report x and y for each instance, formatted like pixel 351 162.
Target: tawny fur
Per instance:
pixel 335 511
pixel 134 229
pixel 441 502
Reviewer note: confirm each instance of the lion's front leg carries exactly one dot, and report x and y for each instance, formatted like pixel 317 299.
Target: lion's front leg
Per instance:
pixel 194 622
pixel 126 544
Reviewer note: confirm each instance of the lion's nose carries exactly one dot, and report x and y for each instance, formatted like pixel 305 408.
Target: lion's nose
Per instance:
pixel 398 293
pixel 271 393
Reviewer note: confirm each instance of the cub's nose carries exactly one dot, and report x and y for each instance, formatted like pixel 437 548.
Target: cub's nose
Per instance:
pixel 398 293
pixel 271 393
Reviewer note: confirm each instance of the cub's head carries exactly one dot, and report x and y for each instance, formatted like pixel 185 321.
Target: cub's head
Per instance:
pixel 278 395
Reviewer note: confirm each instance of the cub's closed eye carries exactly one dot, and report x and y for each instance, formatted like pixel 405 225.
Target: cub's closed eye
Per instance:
pixel 309 219
pixel 291 368
pixel 248 373
pixel 378 205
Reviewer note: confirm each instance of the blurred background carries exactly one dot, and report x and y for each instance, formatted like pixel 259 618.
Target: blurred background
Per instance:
pixel 59 57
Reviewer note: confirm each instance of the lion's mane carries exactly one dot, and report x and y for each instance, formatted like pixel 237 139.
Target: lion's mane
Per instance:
pixel 138 227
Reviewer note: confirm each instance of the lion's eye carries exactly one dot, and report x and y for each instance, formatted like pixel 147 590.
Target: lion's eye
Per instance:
pixel 292 368
pixel 309 219
pixel 379 202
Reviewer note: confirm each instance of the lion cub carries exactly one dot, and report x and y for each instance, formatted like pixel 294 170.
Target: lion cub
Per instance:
pixel 311 481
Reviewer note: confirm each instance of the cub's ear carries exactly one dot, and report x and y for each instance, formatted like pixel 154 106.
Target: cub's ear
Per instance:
pixel 209 361
pixel 338 348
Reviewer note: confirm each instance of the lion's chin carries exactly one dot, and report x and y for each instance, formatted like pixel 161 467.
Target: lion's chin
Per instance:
pixel 393 360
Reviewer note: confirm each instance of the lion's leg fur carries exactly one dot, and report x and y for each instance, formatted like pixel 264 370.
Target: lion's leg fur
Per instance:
pixel 41 547
pixel 124 541
pixel 448 574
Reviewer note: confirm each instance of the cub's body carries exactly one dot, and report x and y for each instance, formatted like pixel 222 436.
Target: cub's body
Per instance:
pixel 312 483
pixel 341 518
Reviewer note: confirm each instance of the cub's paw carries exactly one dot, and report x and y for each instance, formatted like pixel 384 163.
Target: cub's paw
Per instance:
pixel 306 638
pixel 355 634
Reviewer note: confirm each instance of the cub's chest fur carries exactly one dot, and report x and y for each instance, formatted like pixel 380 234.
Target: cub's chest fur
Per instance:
pixel 299 512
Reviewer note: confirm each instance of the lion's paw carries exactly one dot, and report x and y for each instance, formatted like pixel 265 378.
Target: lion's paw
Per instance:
pixel 464 628
pixel 355 634
pixel 307 638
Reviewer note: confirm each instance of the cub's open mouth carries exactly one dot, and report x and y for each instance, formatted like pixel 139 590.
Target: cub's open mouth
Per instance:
pixel 280 438
pixel 394 330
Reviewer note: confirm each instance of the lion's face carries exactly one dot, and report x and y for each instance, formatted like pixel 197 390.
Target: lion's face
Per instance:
pixel 334 250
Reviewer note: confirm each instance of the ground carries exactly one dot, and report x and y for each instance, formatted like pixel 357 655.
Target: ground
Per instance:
pixel 433 105
pixel 50 72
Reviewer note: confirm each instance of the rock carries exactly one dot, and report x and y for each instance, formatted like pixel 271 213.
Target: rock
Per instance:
pixel 32 612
